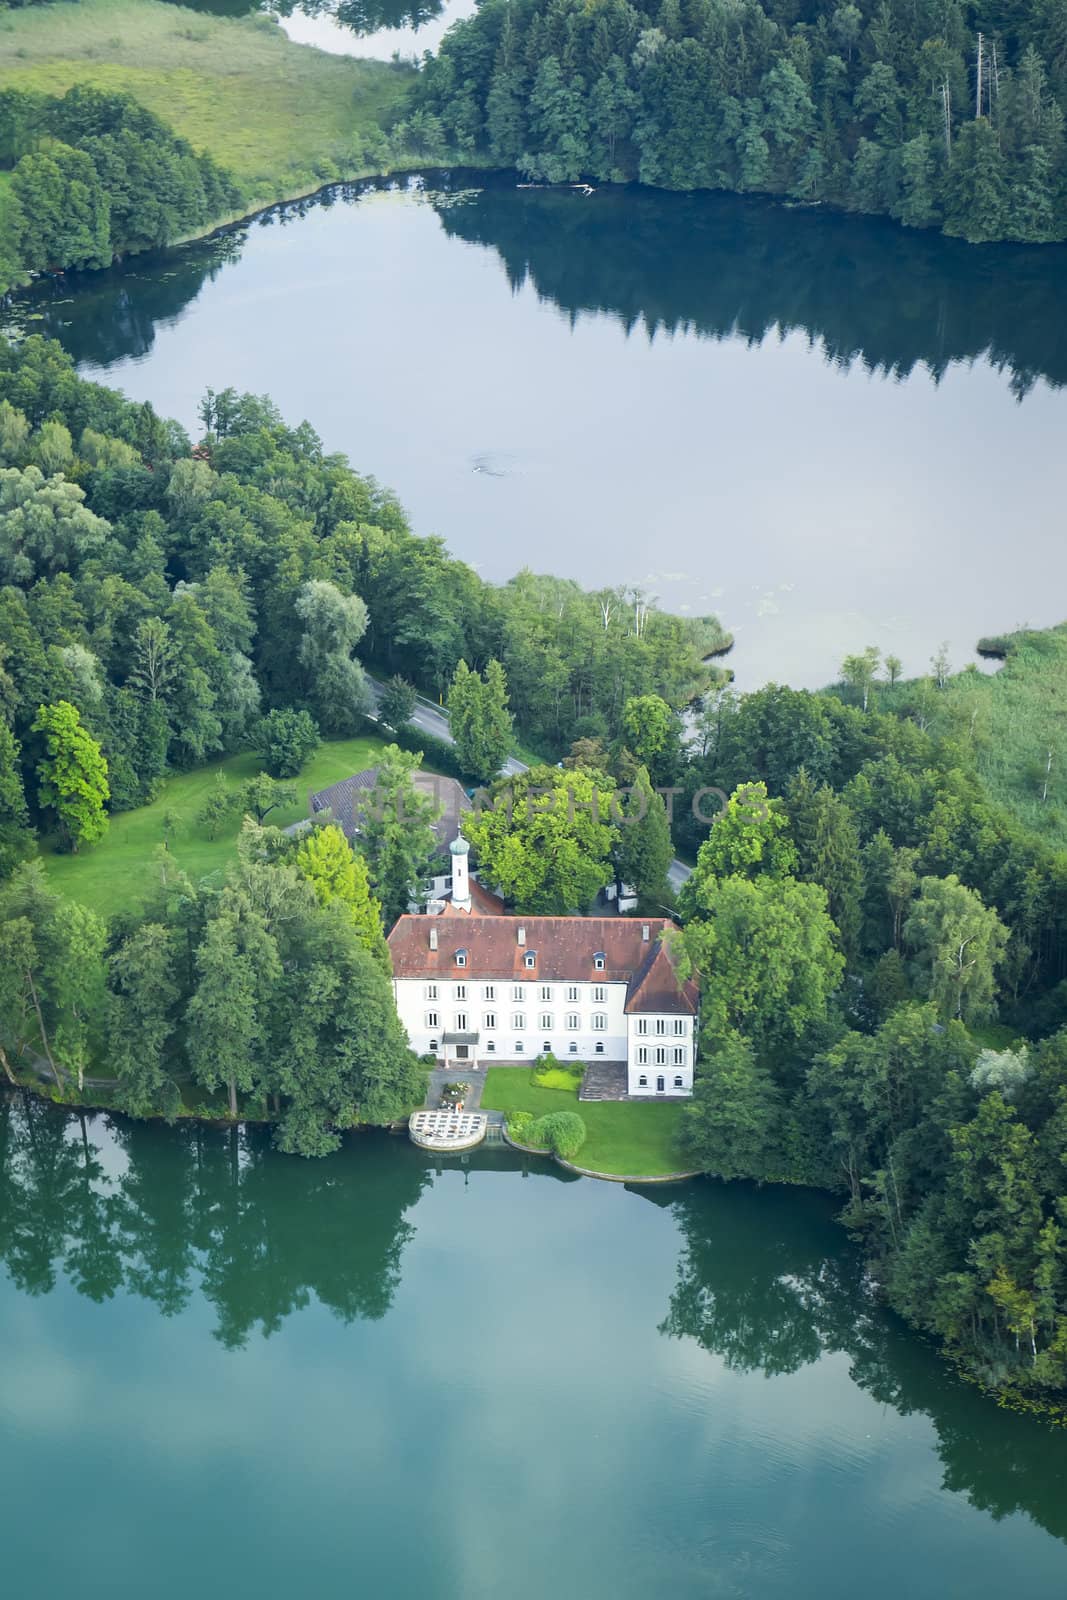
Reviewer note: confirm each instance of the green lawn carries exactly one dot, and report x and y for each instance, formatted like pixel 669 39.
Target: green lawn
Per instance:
pixel 628 1137
pixel 281 116
pixel 113 873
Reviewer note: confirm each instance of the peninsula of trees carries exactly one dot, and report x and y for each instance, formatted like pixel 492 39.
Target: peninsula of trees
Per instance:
pixel 878 916
pixel 947 116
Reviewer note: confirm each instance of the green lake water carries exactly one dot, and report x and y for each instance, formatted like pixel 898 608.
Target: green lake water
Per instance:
pixel 229 1372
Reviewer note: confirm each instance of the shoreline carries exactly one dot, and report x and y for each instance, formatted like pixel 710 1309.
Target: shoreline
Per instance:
pixel 236 220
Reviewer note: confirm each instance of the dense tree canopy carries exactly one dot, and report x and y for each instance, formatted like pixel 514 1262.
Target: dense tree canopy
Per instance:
pixel 544 840
pixel 948 116
pixel 95 175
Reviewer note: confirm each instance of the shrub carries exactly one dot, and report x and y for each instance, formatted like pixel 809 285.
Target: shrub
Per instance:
pixel 437 756
pixel 286 740
pixel 548 1073
pixel 562 1132
pixel 519 1124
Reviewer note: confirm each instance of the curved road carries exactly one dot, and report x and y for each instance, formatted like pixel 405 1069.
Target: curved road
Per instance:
pixel 434 720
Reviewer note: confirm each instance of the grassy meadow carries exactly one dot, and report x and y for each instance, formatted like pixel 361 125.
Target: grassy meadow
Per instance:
pixel 115 872
pixel 1017 718
pixel 628 1137
pixel 283 117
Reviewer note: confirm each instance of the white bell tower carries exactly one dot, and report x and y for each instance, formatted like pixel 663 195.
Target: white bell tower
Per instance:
pixel 461 882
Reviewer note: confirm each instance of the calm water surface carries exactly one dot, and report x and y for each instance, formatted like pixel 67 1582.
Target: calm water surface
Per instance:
pixel 830 431
pixel 231 1372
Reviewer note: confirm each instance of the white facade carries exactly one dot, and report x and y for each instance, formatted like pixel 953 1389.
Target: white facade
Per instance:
pixel 476 990
pixel 516 1020
pixel 659 1054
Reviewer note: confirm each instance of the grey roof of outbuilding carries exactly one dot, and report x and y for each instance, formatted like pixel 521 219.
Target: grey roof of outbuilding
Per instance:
pixel 345 802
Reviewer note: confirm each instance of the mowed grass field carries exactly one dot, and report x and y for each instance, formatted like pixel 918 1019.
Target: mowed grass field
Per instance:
pixel 629 1137
pixel 281 116
pixel 117 872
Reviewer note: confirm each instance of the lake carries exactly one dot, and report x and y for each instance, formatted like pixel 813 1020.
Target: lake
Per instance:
pixel 828 430
pixel 234 1372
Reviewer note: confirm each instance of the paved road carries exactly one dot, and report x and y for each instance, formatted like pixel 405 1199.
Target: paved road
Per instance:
pixel 434 720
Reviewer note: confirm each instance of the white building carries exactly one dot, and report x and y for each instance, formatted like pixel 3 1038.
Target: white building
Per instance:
pixel 475 990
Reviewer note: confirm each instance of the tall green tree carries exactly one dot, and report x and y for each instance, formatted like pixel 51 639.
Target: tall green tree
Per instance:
pixel 733 1125
pixel 337 874
pixel 828 853
pixel 16 835
pixel 333 624
pixel 397 704
pixel 397 836
pixel 546 839
pixel 228 1017
pixel 479 719
pixel 144 994
pixel 768 959
pixel 73 775
pixel 958 945
pixel 645 850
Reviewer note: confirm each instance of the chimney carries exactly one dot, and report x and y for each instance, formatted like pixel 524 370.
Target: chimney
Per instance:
pixel 521 935
pixel 433 938
pixel 644 932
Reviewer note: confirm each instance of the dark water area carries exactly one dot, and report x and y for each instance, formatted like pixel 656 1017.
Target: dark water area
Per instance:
pixel 828 430
pixel 238 1372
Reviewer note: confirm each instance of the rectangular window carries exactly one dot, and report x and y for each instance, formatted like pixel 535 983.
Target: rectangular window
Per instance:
pixel 661 1056
pixel 489 1020
pixel 600 1022
pixel 642 1024
pixel 461 958
pixel 431 991
pixel 518 1021
pixel 598 963
pixel 642 1055
pixel 518 1047
pixel 518 992
pixel 546 1022
pixel 529 960
pixel 679 1027
pixel 574 1022
pixel 572 993
pixel 489 991
pixel 461 1021
pixel 461 991
pixel 546 991
pixel 431 1019
pixel 642 1082
pixel 600 994
pixel 573 1047
pixel 491 1047
pixel 661 1024
pixel 679 1055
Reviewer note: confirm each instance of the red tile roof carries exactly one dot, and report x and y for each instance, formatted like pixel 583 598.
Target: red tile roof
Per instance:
pixel 655 985
pixel 484 903
pixel 564 948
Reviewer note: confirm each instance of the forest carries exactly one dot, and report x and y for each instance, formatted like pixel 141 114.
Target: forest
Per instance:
pixel 93 176
pixel 946 115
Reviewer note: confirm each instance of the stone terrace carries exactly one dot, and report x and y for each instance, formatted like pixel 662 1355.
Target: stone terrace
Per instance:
pixel 604 1080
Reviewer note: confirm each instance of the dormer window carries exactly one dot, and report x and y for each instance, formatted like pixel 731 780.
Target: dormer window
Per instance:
pixel 530 958
pixel 598 961
pixel 461 958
